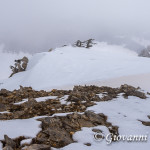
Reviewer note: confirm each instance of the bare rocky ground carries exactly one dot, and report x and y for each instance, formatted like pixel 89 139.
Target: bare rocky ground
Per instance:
pixel 57 131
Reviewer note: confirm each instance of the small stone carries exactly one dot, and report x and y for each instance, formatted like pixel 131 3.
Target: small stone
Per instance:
pixel 146 123
pixel 87 144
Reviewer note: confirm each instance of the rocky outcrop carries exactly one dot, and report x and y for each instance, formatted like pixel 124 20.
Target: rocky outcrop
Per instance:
pixel 9 97
pixel 20 65
pixel 78 100
pixel 131 91
pixel 57 131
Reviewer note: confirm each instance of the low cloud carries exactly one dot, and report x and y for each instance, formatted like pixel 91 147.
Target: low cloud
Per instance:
pixel 37 25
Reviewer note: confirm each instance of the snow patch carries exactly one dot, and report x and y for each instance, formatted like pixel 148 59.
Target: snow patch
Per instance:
pixel 19 127
pixel 26 141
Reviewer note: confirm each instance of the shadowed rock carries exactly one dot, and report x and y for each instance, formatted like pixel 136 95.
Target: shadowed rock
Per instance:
pixel 9 142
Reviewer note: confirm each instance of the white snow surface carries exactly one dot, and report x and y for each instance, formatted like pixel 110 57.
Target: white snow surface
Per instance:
pixel 71 66
pixel 19 127
pixel 26 141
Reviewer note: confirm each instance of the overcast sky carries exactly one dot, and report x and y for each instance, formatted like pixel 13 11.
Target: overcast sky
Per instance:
pixel 37 25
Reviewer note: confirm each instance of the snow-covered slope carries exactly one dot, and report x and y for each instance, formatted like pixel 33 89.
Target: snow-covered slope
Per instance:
pixel 71 65
pixel 64 67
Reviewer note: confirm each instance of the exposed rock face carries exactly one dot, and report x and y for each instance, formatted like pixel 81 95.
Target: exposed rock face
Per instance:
pixel 20 65
pixel 145 52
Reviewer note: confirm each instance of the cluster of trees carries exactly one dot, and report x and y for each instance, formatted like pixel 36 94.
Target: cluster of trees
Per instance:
pixel 87 44
pixel 20 65
pixel 145 52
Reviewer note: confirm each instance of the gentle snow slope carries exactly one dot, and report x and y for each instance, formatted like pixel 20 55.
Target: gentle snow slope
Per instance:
pixel 139 80
pixel 68 66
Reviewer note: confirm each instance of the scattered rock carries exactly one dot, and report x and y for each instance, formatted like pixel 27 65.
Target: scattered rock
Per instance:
pixel 131 91
pixel 57 131
pixel 38 147
pixel 87 144
pixel 7 148
pixel 79 99
pixel 58 136
pixel 146 123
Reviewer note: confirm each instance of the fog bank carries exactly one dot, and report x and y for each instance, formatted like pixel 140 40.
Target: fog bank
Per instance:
pixel 37 25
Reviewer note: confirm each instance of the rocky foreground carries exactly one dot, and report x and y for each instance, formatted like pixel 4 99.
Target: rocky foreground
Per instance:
pixel 57 131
